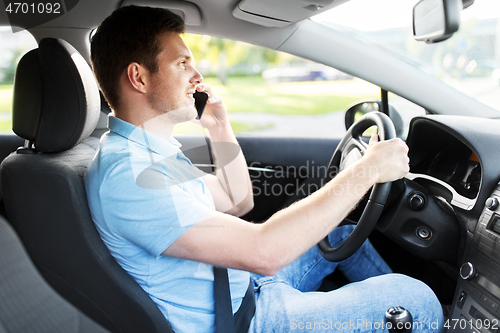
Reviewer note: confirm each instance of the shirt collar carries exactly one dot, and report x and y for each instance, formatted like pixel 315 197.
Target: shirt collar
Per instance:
pixel 143 137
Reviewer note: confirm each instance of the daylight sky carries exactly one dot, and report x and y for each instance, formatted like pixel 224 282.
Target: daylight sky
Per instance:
pixel 359 14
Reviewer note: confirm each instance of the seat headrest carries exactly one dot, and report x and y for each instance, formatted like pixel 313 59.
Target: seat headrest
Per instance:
pixel 56 100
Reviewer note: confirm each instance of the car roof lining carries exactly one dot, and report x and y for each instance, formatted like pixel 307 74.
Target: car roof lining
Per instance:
pixel 211 23
pixel 83 18
pixel 281 13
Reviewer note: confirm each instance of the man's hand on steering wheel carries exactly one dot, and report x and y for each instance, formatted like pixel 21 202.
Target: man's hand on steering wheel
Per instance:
pixel 387 159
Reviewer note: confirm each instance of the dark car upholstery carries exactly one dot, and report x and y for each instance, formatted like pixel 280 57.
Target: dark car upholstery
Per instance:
pixel 56 107
pixel 28 303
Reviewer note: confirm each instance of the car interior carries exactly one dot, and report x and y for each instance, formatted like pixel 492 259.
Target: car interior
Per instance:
pixel 439 224
pixel 28 301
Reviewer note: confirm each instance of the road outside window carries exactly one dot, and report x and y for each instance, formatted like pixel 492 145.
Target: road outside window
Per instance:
pixel 273 93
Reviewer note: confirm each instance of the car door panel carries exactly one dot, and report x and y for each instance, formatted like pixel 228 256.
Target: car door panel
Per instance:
pixel 282 170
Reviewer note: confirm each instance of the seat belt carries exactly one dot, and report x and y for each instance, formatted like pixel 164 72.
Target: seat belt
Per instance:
pixel 224 320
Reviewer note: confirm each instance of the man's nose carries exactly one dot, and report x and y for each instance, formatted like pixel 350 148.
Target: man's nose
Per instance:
pixel 197 77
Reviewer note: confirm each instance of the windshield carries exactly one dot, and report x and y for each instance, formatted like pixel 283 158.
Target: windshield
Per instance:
pixel 469 61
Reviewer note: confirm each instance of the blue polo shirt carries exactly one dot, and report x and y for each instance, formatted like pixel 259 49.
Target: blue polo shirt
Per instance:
pixel 143 194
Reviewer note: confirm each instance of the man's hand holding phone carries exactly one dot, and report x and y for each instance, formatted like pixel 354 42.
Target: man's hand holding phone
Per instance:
pixel 211 110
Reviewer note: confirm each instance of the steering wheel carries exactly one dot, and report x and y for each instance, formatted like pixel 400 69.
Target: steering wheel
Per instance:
pixel 350 149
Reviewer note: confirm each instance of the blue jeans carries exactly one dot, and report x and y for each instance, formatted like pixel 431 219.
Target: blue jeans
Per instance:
pixel 289 302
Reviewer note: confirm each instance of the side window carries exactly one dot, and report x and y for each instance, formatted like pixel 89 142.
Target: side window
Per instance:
pixel 406 110
pixel 12 47
pixel 273 93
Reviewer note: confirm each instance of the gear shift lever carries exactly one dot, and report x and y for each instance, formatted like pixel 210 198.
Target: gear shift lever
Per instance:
pixel 398 320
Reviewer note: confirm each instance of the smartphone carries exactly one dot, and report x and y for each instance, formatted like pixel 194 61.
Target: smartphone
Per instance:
pixel 200 100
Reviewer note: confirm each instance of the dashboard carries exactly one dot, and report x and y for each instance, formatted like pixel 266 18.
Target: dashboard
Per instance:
pixel 457 161
pixel 446 165
pixel 458 168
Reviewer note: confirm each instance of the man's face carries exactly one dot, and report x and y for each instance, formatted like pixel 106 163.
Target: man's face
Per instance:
pixel 172 87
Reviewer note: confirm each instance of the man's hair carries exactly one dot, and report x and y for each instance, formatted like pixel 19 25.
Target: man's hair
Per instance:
pixel 129 34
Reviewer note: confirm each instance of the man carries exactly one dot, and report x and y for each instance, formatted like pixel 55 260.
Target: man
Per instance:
pixel 168 227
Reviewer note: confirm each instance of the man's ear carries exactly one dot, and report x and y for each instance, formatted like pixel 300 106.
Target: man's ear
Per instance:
pixel 137 75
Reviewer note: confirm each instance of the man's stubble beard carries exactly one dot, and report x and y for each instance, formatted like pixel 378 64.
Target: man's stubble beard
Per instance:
pixel 158 102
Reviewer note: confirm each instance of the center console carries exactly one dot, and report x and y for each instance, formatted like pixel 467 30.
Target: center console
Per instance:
pixel 476 305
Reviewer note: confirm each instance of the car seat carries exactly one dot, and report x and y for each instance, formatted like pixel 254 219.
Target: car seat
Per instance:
pixel 28 303
pixel 55 108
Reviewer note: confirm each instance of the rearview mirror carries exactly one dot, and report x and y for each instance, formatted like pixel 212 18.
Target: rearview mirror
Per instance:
pixel 436 20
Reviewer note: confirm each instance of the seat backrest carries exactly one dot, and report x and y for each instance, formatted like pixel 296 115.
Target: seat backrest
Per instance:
pixel 56 106
pixel 28 303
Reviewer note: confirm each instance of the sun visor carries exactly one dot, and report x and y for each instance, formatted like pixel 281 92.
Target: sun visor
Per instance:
pixel 187 10
pixel 280 13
